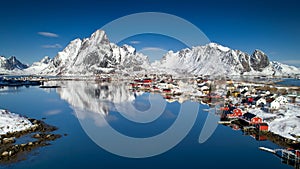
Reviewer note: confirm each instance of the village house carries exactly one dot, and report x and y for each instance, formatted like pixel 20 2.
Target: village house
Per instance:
pixel 262 127
pixel 235 113
pixel 243 89
pixel 282 100
pixel 235 93
pixel 274 105
pixel 245 93
pixel 278 102
pixel 251 118
pixel 265 93
pixel 261 102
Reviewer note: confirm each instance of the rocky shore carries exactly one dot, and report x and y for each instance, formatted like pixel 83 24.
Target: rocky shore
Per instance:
pixel 14 147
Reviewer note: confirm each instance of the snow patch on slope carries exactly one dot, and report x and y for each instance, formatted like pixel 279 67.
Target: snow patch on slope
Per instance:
pixel 11 122
pixel 37 67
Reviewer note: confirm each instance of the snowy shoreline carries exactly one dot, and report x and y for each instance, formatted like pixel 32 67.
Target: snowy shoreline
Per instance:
pixel 14 127
pixel 11 122
pixel 285 122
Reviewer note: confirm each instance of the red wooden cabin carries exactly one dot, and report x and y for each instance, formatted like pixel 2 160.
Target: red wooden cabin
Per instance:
pixel 262 126
pixel 252 118
pixel 148 80
pixel 167 90
pixel 256 120
pixel 236 113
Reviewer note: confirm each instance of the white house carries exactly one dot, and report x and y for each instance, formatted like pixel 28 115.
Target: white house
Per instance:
pixel 274 105
pixel 265 93
pixel 244 89
pixel 247 94
pixel 261 101
pixel 281 100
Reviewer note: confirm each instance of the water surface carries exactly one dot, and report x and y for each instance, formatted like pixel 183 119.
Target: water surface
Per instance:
pixel 290 82
pixel 86 103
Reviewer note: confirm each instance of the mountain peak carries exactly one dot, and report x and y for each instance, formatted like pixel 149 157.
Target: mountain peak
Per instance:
pixel 11 63
pixel 12 58
pixel 95 55
pixel 215 59
pixel 259 60
pixel 45 60
pixel 129 48
pixel 257 51
pixel 218 46
pixel 99 37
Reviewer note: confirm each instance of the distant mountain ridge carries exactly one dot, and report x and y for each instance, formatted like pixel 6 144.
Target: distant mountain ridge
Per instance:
pixel 215 59
pixel 11 63
pixel 96 55
pixel 39 66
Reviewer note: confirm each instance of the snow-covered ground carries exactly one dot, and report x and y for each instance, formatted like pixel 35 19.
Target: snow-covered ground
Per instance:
pixel 11 122
pixel 267 117
pixel 285 122
pixel 287 125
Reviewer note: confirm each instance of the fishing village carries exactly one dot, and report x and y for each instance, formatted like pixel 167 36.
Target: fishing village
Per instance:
pixel 262 110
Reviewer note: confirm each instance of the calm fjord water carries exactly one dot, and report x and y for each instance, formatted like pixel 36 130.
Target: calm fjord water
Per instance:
pixel 75 102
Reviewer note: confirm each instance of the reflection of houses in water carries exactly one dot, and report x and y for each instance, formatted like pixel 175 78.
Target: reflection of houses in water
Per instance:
pixel 179 99
pixel 235 126
pixel 259 137
pixel 288 156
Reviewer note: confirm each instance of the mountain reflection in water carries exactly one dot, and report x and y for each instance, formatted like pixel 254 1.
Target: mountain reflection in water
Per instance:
pixel 91 99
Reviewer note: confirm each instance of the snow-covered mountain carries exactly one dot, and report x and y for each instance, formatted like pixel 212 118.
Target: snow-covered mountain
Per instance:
pixel 37 67
pixel 11 63
pixel 214 59
pixel 283 69
pixel 95 55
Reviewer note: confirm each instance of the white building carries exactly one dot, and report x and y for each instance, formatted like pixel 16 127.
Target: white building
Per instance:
pixel 281 100
pixel 261 101
pixel 274 105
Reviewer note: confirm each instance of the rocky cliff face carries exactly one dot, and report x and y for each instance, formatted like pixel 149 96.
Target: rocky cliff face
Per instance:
pixel 259 60
pixel 11 63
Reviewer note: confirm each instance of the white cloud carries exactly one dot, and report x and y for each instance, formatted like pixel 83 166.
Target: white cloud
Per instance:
pixel 152 49
pixel 48 34
pixel 54 46
pixel 134 42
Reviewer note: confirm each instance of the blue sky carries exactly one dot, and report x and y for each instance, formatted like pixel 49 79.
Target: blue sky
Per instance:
pixel 272 26
pixel 153 45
